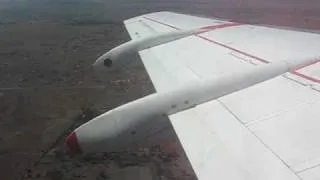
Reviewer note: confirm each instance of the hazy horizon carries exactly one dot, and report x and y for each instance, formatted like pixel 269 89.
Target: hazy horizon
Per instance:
pixel 123 9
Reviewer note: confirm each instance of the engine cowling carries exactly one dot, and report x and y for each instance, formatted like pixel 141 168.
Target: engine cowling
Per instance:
pixel 117 57
pixel 113 130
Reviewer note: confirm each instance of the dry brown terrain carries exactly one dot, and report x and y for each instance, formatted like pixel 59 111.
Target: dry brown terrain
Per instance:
pixel 47 86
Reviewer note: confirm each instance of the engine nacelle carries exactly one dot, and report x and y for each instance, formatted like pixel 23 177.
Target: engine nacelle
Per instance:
pixel 113 58
pixel 122 126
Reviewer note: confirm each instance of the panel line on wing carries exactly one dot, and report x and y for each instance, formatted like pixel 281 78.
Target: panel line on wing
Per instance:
pixel 306 169
pixel 147 26
pixel 256 136
pixel 313 79
pixel 279 113
pixel 168 25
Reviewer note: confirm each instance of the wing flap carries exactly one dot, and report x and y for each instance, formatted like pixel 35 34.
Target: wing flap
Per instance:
pixel 294 135
pixel 269 99
pixel 221 147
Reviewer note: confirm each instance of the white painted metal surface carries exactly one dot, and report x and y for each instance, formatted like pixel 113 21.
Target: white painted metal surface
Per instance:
pixel 143 43
pixel 220 147
pixel 99 134
pixel 268 131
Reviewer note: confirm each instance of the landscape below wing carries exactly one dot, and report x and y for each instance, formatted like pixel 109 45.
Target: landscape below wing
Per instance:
pixel 267 131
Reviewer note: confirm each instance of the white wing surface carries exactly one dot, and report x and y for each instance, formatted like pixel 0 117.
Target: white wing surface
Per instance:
pixel 268 131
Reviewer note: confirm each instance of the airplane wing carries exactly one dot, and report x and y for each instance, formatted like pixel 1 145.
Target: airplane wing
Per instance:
pixel 268 131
